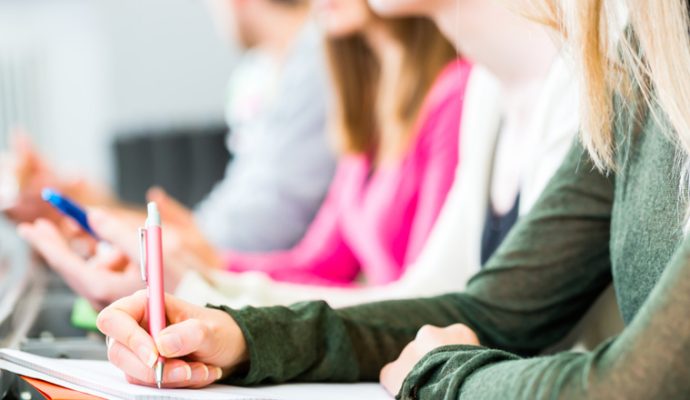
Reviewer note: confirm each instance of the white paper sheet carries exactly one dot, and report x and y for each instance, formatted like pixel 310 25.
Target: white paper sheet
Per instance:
pixel 100 378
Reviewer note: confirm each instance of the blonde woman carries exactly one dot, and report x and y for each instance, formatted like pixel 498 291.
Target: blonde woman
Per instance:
pixel 618 207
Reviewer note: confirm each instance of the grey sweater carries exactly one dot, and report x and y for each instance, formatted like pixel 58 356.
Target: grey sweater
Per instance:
pixel 283 160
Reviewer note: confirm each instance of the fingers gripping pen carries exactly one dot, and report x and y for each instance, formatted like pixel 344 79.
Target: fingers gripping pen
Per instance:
pixel 151 259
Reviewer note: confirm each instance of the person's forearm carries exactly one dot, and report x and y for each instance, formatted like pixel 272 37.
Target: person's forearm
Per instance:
pixel 647 361
pixel 519 303
pixel 319 260
pixel 313 342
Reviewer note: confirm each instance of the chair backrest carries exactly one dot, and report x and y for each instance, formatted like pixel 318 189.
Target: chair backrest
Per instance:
pixel 186 162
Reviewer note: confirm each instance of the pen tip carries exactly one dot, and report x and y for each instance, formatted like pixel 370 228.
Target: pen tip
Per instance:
pixel 158 369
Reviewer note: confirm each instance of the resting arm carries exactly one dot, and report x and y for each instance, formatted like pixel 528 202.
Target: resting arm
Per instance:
pixel 528 298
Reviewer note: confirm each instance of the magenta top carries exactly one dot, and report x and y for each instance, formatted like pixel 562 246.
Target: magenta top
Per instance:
pixel 374 222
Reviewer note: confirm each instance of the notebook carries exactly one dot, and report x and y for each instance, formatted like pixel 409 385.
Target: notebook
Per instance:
pixel 55 392
pixel 100 378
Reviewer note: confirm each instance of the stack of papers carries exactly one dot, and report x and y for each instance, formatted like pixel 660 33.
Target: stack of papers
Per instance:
pixel 100 378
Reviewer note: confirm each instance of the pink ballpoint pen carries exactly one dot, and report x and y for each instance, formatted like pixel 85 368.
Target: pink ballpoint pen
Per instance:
pixel 151 262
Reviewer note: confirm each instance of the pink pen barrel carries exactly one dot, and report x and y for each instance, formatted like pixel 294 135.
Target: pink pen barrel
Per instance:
pixel 151 247
pixel 154 277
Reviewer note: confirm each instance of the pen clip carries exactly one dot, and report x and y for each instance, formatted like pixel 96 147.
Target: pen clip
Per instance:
pixel 142 253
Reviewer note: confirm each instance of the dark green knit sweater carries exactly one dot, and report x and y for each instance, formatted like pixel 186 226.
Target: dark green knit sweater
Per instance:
pixel 586 230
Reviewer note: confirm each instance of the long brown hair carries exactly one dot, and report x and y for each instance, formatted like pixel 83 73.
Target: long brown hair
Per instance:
pixel 355 71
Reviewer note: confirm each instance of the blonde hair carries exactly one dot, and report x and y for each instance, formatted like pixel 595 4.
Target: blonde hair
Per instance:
pixel 653 54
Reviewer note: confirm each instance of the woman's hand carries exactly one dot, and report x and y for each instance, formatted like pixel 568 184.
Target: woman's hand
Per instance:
pixel 103 278
pixel 101 274
pixel 428 338
pixel 185 242
pixel 201 345
pixel 184 246
pixel 31 173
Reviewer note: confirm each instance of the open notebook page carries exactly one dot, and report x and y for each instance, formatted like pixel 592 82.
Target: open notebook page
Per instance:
pixel 100 378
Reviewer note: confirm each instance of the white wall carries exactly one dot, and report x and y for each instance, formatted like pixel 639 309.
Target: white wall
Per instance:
pixel 113 65
pixel 168 63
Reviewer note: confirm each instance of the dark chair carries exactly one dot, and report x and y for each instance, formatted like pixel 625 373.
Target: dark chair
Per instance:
pixel 186 162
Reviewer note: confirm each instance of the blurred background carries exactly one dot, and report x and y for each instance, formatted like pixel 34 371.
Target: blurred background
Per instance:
pixel 107 77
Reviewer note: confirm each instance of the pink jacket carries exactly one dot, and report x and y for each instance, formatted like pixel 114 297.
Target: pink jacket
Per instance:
pixel 376 224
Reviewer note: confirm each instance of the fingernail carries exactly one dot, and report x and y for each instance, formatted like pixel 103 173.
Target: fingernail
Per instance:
pixel 200 373
pixel 181 373
pixel 219 373
pixel 169 345
pixel 147 356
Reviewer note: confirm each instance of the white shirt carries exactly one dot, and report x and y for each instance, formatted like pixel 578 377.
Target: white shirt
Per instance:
pixel 452 253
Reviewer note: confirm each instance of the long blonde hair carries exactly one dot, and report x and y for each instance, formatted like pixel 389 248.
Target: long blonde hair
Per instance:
pixel 653 54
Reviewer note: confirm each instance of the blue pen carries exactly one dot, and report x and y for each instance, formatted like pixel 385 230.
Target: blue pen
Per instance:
pixel 68 208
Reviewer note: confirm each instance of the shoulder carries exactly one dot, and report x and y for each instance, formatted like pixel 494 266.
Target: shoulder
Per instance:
pixel 441 113
pixel 444 102
pixel 450 85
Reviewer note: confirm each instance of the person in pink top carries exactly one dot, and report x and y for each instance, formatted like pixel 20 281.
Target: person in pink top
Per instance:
pixel 398 96
pixel 376 218
pixel 394 174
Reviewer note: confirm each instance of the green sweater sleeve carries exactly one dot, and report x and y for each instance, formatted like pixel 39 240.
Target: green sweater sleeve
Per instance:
pixel 561 250
pixel 649 360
